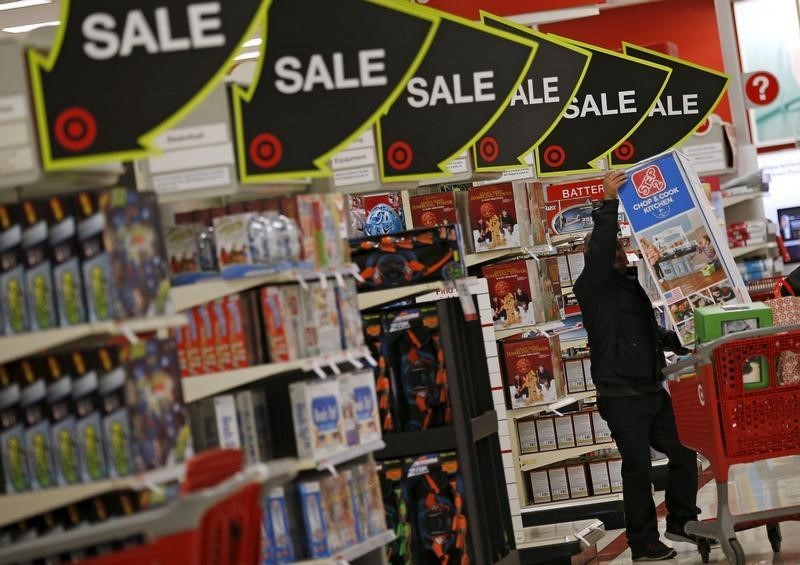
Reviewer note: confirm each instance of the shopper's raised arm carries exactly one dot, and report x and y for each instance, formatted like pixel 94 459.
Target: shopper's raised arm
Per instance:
pixel 602 246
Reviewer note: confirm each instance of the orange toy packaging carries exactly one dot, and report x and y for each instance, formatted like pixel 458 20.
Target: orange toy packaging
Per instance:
pixel 532 369
pixel 429 210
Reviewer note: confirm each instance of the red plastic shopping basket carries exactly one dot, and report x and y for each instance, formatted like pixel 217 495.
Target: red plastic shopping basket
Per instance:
pixel 728 424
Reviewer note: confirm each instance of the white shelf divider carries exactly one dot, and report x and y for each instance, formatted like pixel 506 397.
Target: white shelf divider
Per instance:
pixel 375 298
pixel 519 413
pixel 547 326
pixel 202 386
pixel 472 259
pixel 544 458
pixel 23 345
pixel 343 456
pixel 613 497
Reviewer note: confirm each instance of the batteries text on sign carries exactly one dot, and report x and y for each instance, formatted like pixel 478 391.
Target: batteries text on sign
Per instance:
pixel 451 90
pixel 294 75
pixel 106 39
pixel 685 106
pixel 625 104
pixel 527 92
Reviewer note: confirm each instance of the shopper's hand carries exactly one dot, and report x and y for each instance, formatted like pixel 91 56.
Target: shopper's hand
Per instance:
pixel 612 181
pixel 671 342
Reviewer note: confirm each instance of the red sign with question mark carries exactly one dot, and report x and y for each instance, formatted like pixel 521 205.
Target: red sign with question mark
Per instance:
pixel 761 88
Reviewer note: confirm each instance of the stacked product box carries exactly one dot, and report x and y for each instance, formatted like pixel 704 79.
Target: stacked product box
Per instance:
pixel 497 216
pixel 521 294
pixel 750 232
pixel 592 475
pixel 92 257
pixel 270 324
pixel 578 374
pixel 550 433
pixel 88 415
pixel 532 370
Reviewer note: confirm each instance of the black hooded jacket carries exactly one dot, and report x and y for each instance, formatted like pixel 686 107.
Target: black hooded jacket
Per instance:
pixel 626 342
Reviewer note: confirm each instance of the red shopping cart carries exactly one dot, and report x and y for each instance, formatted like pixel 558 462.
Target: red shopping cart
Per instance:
pixel 216 520
pixel 764 289
pixel 730 424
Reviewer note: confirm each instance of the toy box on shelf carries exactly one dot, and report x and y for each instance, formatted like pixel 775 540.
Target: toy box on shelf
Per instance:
pixel 532 370
pixel 521 293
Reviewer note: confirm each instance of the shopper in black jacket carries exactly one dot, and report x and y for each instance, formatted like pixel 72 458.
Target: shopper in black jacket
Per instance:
pixel 627 347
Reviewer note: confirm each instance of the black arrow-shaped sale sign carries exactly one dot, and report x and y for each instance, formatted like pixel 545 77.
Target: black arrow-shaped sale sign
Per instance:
pixel 538 103
pixel 460 89
pixel 122 72
pixel 691 94
pixel 329 70
pixel 616 95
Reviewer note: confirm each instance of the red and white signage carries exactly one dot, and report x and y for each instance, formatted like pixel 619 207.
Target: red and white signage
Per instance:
pixel 761 88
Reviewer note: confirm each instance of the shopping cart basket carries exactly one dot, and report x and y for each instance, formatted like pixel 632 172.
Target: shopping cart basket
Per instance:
pixel 765 289
pixel 215 521
pixel 728 424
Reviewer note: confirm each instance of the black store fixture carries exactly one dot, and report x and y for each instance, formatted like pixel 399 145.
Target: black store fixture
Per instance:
pixel 474 436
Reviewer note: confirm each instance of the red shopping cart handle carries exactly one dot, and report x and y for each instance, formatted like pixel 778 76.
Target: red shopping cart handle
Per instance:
pixel 211 468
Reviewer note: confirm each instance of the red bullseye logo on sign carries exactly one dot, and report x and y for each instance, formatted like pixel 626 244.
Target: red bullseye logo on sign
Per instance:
pixel 648 181
pixel 701 397
pixel 554 156
pixel 625 151
pixel 75 129
pixel 400 155
pixel 266 150
pixel 488 149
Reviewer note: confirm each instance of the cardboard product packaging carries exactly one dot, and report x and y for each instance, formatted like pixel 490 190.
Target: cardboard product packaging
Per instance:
pixel 309 299
pixel 329 333
pixel 615 474
pixel 292 299
pixel 182 250
pixel 573 369
pixel 281 337
pixel 285 532
pixel 532 369
pixel 601 483
pixel 203 419
pixel 125 268
pixel 409 257
pixel 521 294
pixel 205 339
pixel 369 490
pixel 587 373
pixel 584 435
pixel 546 434
pixel 88 418
pixel 600 429
pixel 437 209
pixel 559 486
pixel 40 292
pixel 233 240
pixel 116 420
pixel 38 441
pixel 251 410
pixel 526 432
pixel 348 410
pixel 786 312
pixel 61 412
pixel 565 434
pixel 578 481
pixel 222 334
pixel 14 464
pixel 337 489
pixel 540 487
pixel 352 330
pixel 377 214
pixel 316 518
pixel 317 417
pixel 540 236
pixel 14 318
pixel 67 279
pixel 227 422
pixel 359 390
pixel 498 215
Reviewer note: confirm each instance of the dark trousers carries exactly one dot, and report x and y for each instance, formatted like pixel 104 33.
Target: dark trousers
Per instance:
pixel 636 423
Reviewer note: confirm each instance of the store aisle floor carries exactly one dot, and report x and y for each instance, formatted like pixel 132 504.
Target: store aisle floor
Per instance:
pixel 782 489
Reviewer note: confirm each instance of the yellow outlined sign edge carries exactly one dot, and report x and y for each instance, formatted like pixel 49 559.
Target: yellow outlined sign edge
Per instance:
pixel 241 95
pixel 590 168
pixel 38 63
pixel 465 147
pixel 626 44
pixel 538 35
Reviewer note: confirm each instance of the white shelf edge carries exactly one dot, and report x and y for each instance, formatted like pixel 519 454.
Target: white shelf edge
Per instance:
pixel 375 298
pixel 544 326
pixel 733 200
pixel 613 497
pixel 554 456
pixel 343 456
pixel 472 259
pixel 352 553
pixel 14 347
pixel 16 507
pixel 519 413
pixel 748 249
pixel 202 386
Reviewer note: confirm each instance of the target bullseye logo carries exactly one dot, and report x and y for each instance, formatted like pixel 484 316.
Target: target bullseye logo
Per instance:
pixel 554 156
pixel 488 149
pixel 400 155
pixel 701 397
pixel 625 151
pixel 75 129
pixel 266 150
pixel 703 128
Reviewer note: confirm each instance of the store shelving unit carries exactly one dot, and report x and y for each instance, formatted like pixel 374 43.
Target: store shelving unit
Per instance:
pixel 762 248
pixel 345 455
pixel 545 458
pixel 203 386
pixel 16 507
pixel 545 327
pixel 518 413
pixel 23 345
pixel 733 200
pixel 375 298
pixel 352 553
pixel 613 497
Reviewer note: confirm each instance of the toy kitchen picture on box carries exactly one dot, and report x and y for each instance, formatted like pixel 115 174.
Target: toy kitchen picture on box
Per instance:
pixel 681 244
pixel 532 370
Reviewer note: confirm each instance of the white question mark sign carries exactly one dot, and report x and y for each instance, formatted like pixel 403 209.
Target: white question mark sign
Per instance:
pixel 761 83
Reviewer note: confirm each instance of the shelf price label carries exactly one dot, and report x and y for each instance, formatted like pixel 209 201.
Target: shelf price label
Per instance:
pixel 120 73
pixel 329 69
pixel 538 103
pixel 465 82
pixel 616 95
pixel 691 94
